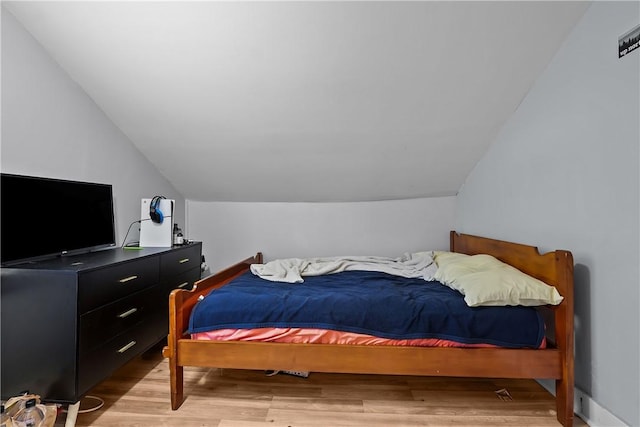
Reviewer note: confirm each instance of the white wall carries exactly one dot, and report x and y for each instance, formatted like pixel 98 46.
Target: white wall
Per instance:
pixel 51 128
pixel 564 173
pixel 232 231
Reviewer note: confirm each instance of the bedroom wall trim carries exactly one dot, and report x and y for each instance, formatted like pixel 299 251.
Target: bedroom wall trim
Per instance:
pixel 592 413
pixel 587 409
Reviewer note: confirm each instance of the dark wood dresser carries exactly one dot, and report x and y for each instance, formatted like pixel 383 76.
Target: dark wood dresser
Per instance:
pixel 70 322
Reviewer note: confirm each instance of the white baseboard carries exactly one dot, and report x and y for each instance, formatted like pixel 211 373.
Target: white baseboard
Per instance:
pixel 592 413
pixel 587 408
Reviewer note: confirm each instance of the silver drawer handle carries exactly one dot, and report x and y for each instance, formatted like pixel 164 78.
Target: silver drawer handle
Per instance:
pixel 182 261
pixel 183 285
pixel 127 313
pixel 127 347
pixel 128 279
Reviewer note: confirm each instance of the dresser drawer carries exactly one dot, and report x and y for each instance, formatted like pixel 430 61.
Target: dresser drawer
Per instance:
pixel 105 285
pixel 179 261
pixel 103 361
pixel 183 280
pixel 101 325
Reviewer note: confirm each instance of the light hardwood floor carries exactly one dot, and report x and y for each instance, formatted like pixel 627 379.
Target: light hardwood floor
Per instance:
pixel 138 395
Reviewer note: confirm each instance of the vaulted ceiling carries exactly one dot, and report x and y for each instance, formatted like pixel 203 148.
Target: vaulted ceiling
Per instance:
pixel 305 101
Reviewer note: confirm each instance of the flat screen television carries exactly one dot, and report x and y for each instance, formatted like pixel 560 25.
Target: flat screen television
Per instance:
pixel 45 217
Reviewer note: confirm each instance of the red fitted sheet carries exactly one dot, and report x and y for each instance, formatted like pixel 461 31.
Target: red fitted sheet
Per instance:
pixel 323 336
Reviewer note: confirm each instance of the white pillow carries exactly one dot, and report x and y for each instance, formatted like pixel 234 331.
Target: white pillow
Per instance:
pixel 487 281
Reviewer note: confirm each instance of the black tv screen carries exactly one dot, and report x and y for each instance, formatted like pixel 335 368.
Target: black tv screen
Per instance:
pixel 44 217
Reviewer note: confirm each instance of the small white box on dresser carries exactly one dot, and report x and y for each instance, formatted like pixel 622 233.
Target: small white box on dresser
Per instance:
pixel 154 234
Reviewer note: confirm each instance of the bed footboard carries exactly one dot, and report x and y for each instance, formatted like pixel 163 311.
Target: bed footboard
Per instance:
pixel 181 303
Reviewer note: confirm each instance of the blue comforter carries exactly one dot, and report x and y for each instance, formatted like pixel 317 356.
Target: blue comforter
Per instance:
pixel 371 303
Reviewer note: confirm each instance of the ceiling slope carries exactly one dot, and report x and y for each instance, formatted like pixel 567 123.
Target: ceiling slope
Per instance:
pixel 305 101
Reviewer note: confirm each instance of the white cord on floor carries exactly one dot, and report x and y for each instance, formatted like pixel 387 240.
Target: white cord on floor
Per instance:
pixel 95 408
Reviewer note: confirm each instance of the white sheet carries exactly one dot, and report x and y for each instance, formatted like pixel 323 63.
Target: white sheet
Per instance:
pixel 292 270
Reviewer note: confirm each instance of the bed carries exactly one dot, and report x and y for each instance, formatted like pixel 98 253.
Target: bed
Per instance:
pixel 554 361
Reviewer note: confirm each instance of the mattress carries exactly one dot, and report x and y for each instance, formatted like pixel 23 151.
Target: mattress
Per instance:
pixel 360 307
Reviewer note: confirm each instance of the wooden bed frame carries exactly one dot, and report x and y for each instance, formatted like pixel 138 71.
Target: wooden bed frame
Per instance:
pixel 555 362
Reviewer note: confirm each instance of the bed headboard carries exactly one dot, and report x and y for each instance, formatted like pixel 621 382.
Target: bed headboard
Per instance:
pixel 554 268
